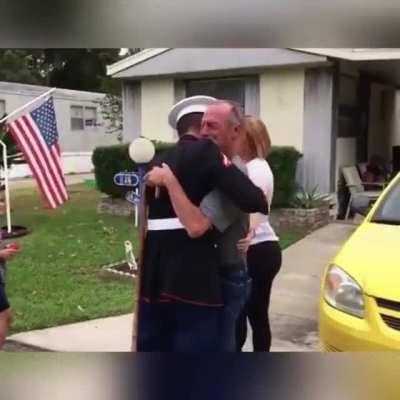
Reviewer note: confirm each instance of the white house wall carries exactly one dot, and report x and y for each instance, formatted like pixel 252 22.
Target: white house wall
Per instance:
pixel 282 105
pixel 80 140
pixel 319 146
pixel 131 109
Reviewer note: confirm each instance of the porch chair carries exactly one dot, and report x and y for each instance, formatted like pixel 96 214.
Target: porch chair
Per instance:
pixel 357 190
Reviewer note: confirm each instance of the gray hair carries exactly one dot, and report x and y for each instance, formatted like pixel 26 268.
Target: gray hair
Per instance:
pixel 236 115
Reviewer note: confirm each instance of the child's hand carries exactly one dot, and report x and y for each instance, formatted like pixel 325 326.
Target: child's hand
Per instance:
pixel 13 246
pixel 7 254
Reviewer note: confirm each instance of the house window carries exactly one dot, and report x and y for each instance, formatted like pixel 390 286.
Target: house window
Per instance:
pixel 229 89
pixel 2 108
pixel 77 118
pixel 83 118
pixel 90 117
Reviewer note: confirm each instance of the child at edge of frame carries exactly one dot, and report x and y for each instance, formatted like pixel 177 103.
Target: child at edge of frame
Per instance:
pixel 6 253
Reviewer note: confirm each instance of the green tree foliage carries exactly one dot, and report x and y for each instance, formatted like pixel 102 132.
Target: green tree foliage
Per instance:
pixel 81 69
pixel 22 66
pixel 111 110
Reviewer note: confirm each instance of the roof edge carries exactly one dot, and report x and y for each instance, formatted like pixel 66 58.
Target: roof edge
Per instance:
pixel 134 59
pixel 354 54
pixel 24 87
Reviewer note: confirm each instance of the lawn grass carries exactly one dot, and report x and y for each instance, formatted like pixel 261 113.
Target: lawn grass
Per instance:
pixel 57 279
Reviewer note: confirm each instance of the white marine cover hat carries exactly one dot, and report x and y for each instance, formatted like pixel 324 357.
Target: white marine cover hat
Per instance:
pixel 187 106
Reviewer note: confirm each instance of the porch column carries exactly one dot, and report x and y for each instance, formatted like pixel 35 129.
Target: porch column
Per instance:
pixel 319 145
pixel 131 110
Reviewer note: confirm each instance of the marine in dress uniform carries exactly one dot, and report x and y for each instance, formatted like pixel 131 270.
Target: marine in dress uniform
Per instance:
pixel 180 287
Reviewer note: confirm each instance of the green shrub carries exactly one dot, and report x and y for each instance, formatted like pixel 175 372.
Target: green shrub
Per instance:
pixel 283 162
pixel 107 162
pixel 113 159
pixel 310 199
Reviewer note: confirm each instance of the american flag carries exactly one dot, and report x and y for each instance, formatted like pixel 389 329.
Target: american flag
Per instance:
pixel 37 137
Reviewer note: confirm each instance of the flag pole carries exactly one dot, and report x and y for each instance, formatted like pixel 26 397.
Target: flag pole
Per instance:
pixel 5 163
pixel 6 187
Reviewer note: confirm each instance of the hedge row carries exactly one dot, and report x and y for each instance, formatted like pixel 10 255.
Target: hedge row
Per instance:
pixel 110 160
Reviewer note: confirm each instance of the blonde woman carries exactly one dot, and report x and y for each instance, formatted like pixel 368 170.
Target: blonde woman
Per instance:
pixel 264 254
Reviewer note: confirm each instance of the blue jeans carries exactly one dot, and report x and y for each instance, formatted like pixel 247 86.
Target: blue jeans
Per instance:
pixel 177 327
pixel 236 287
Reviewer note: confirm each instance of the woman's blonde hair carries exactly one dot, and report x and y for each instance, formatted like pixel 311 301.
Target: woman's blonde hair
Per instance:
pixel 257 136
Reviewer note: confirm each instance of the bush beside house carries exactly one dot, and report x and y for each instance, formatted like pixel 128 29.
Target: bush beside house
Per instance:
pixel 283 162
pixel 107 162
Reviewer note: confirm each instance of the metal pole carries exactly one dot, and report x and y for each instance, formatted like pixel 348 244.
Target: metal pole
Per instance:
pixel 141 173
pixel 142 236
pixel 6 187
pixel 27 105
pixel 136 209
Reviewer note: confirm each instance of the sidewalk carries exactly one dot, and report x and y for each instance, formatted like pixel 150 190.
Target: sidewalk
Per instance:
pixel 101 335
pixel 294 305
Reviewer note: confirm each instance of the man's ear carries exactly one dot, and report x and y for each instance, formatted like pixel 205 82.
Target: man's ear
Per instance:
pixel 236 132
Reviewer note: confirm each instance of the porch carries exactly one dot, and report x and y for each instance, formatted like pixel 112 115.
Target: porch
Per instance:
pixel 367 123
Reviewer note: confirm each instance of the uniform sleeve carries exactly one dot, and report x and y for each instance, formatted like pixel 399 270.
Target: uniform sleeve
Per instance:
pixel 235 184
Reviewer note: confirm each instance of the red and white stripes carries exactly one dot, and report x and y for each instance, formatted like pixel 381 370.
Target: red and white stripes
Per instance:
pixel 44 161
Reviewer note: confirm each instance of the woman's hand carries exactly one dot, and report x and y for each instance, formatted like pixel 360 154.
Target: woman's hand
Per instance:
pixel 244 244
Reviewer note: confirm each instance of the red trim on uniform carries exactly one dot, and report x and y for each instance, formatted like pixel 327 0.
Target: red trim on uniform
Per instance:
pixel 147 300
pixel 196 303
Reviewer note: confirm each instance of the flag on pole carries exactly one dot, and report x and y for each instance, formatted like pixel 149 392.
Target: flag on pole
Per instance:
pixel 36 134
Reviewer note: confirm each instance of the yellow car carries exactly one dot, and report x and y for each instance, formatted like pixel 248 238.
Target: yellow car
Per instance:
pixel 360 296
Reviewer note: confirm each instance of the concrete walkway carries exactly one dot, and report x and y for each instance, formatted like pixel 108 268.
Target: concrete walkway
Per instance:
pixel 294 305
